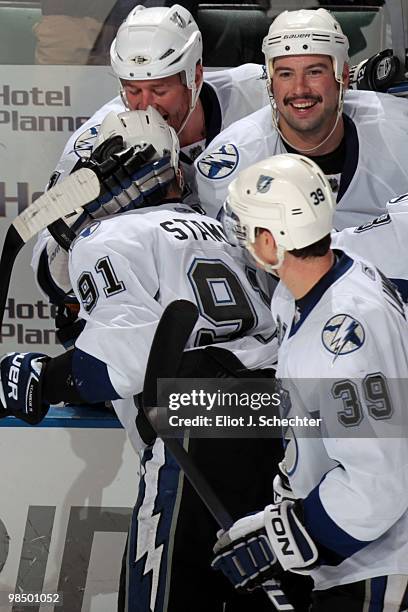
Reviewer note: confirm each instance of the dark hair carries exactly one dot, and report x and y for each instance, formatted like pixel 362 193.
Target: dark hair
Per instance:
pixel 317 249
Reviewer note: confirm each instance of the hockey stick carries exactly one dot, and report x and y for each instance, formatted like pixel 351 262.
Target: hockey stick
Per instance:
pixel 172 333
pixel 66 197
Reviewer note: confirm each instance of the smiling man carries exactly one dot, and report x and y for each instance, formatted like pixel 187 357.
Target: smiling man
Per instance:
pixel 306 56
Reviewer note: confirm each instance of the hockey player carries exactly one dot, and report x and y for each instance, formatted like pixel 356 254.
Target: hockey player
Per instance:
pixel 125 270
pixel 342 511
pixel 157 58
pixel 306 58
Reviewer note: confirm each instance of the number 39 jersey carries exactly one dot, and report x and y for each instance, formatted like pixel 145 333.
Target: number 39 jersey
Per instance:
pixel 126 269
pixel 343 359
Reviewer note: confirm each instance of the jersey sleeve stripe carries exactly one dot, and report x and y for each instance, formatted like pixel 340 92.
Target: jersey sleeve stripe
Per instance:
pixel 91 378
pixel 325 531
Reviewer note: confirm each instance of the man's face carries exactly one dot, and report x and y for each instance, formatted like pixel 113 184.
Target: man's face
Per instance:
pixel 306 94
pixel 168 95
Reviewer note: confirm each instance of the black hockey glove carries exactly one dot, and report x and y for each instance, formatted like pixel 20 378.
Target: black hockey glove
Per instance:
pixel 378 73
pixel 261 546
pixel 21 386
pixel 130 178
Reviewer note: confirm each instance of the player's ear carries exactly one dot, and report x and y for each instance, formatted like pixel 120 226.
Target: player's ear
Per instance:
pixel 346 75
pixel 180 179
pixel 198 74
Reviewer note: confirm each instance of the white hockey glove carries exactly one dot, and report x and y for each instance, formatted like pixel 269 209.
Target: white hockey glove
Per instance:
pixel 130 178
pixel 281 486
pixel 260 546
pixel 378 73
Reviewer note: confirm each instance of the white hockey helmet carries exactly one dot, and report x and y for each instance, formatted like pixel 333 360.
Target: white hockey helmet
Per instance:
pixel 286 194
pixel 306 32
pixel 157 42
pixel 141 128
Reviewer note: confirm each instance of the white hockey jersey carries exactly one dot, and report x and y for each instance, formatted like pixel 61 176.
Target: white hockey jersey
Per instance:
pixel 375 169
pixel 227 95
pixel 344 358
pixel 383 242
pixel 126 269
pixel 238 91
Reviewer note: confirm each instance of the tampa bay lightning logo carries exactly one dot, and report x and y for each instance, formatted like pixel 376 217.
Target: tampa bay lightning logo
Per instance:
pixel 263 183
pixel 85 142
pixel 220 163
pixel 342 334
pixel 88 231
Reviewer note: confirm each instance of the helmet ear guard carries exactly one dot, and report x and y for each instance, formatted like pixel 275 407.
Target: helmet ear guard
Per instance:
pixel 286 194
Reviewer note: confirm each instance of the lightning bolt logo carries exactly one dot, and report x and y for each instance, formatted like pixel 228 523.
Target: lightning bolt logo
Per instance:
pixel 342 334
pixel 85 142
pixel 220 163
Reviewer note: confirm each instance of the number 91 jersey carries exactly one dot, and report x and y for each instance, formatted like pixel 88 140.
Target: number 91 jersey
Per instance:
pixel 126 269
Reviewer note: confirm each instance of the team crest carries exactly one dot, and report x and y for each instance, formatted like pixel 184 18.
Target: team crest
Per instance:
pixel 88 231
pixel 342 334
pixel 85 142
pixel 220 163
pixel 263 183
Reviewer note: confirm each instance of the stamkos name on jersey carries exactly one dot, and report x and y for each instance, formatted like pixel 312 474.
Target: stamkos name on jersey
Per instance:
pixel 184 229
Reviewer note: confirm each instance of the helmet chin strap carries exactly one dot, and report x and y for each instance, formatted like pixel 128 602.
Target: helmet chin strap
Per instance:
pixel 268 267
pixel 195 93
pixel 275 119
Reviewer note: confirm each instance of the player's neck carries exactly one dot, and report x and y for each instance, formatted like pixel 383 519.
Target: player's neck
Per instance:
pixel 302 141
pixel 194 131
pixel 301 275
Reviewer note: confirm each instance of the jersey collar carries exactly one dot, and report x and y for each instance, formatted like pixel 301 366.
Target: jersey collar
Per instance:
pixel 212 112
pixel 212 118
pixel 351 156
pixel 306 304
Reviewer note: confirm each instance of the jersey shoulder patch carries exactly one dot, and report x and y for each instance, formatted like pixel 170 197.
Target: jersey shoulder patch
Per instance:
pixel 220 163
pixel 342 334
pixel 86 232
pixel 83 145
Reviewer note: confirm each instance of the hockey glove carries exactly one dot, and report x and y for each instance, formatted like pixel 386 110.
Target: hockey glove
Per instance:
pixel 130 178
pixel 20 386
pixel 378 73
pixel 260 546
